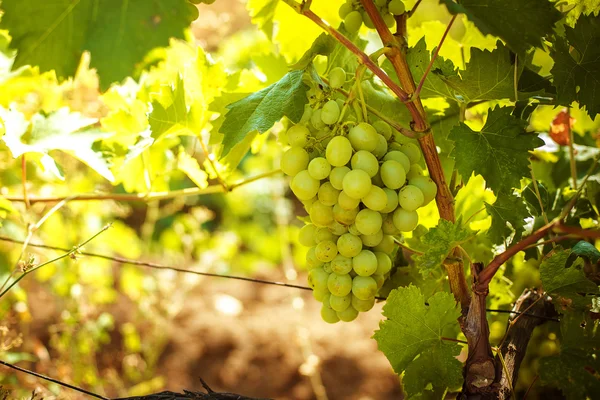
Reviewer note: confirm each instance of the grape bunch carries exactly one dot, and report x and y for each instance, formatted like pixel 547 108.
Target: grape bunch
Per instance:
pixel 354 15
pixel 360 187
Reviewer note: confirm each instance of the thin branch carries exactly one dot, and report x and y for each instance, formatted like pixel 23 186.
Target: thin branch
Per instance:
pixel 453 340
pixel 24 180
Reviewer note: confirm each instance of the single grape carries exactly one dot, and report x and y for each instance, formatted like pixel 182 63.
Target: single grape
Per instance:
pixel 376 199
pixel 414 171
pixel 311 259
pixel 326 251
pixel 349 245
pixel 389 20
pixel 364 263
pixel 344 10
pixel 391 201
pixel 341 265
pixel 392 174
pixel 362 305
pixel 316 121
pixel 348 315
pixel 400 157
pixel 339 151
pixel 388 227
pixel 363 137
pixel 339 285
pixel 336 177
pixel 405 221
pixel 387 244
pixel 376 180
pixel 357 183
pixel 384 263
pixel 364 287
pixel 319 168
pixel 294 160
pixel 379 279
pixel 412 152
pixel 306 236
pixel 321 295
pixel 322 234
pixel 340 303
pixel 353 21
pixel 320 214
pixel 318 278
pixel 367 21
pixel 383 129
pixel 347 202
pixel 368 222
pixel 410 198
pixel 327 194
pixel 327 267
pixel 396 7
pixel 337 76
pixel 304 186
pixel 372 240
pixel 458 30
pixel 306 115
pixel 382 147
pixel 344 217
pixel 330 112
pixel 366 161
pixel 427 186
pixel 352 229
pixel 328 314
pixel 337 229
pixel 297 135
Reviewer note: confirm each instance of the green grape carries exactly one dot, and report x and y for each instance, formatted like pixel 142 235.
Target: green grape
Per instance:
pixel 339 285
pixel 389 20
pixel 356 184
pixel 366 161
pixel 349 245
pixel 316 121
pixel 388 226
pixel 458 30
pixel 321 295
pixel 320 214
pixel 364 263
pixel 330 112
pixel 391 201
pixel 318 278
pixel 306 236
pixel 337 76
pixel 328 314
pixel 306 115
pixel 414 171
pixel 343 216
pixel 337 229
pixel 297 135
pixel 400 157
pixel 348 315
pixel 327 194
pixel 294 160
pixel 405 221
pixel 319 168
pixel 352 229
pixel 367 21
pixel 410 198
pixel 341 265
pixel 427 186
pixel 344 10
pixel 362 305
pixel 392 174
pixel 322 234
pixel 304 186
pixel 382 147
pixel 372 240
pixel 383 129
pixel 308 203
pixel 353 21
pixel 380 279
pixel 412 152
pixel 311 259
pixel 364 287
pixel 326 251
pixel 376 180
pixel 347 202
pixel 396 7
pixel 376 199
pixel 327 267
pixel 368 222
pixel 363 137
pixel 339 151
pixel 340 303
pixel 387 244
pixel 384 263
pixel 381 3
pixel 336 177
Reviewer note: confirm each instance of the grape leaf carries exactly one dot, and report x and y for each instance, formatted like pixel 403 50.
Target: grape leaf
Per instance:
pixel 438 243
pixel 507 209
pixel 586 250
pixel 162 119
pixel 521 24
pixel 577 65
pixel 263 13
pixel 499 152
pixel 260 110
pixel 414 329
pixel 118 34
pixel 441 125
pixel 189 166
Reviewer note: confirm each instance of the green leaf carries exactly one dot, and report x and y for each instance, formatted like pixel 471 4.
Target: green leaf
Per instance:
pixel 521 24
pixel 577 65
pixel 438 243
pixel 262 13
pixel 260 110
pixel 499 152
pixel 118 34
pixel 324 45
pixel 162 119
pixel 507 209
pixel 189 165
pixel 586 250
pixel 414 329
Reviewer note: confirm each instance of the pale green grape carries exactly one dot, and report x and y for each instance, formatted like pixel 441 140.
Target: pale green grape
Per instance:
pixel 389 20
pixel 400 157
pixel 343 216
pixel 297 135
pixel 306 236
pixel 352 229
pixel 387 244
pixel 356 184
pixel 410 198
pixel 383 129
pixel 306 115
pixel 339 285
pixel 379 279
pixel 348 315
pixel 319 168
pixel 349 245
pixel 392 174
pixel 347 202
pixel 405 221
pixel 414 172
pixel 384 263
pixel 341 265
pixel 376 199
pixel 337 229
pixel 340 303
pixel 382 147
pixel 308 203
pixel 368 222
pixel 364 263
pixel 353 21
pixel 365 161
pixel 344 10
pixel 327 194
pixel 294 160
pixel 321 295
pixel 336 177
pixel 330 112
pixel 322 234
pixel 364 287
pixel 363 137
pixel 326 251
pixel 320 214
pixel 362 305
pixel 391 200
pixel 318 278
pixel 316 121
pixel 337 76
pixel 427 186
pixel 376 180
pixel 396 7
pixel 339 151
pixel 327 267
pixel 388 227
pixel 304 186
pixel 372 240
pixel 457 30
pixel 381 3
pixel 311 259
pixel 328 314
pixel 412 152
pixel 367 21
